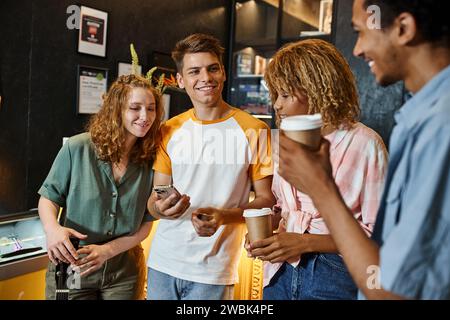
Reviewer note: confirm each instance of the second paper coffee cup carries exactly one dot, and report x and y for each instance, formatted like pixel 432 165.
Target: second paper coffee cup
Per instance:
pixel 259 223
pixel 305 129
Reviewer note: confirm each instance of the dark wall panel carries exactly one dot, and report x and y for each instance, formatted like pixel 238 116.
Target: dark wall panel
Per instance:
pixel 256 24
pixel 15 39
pixel 52 59
pixel 38 63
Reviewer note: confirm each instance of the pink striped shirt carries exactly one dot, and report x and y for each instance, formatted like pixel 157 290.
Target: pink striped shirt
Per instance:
pixel 359 161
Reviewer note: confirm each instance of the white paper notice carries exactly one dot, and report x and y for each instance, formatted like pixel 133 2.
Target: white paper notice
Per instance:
pixel 93 84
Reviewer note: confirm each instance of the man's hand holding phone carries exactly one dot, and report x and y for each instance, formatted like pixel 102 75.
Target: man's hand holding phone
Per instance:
pixel 206 221
pixel 168 203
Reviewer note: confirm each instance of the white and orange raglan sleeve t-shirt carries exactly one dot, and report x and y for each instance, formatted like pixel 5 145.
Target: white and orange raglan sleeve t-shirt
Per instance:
pixel 213 162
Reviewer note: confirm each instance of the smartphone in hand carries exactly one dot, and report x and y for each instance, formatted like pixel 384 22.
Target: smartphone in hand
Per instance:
pixel 164 191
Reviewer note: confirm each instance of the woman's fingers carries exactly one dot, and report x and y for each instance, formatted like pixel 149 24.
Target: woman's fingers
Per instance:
pixel 77 234
pixel 88 271
pixel 273 257
pixel 58 256
pixel 263 248
pixel 87 264
pixel 65 253
pixel 52 257
pixel 84 250
pixel 69 247
pixel 88 268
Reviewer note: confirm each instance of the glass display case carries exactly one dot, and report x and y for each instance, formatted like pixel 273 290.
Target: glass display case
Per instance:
pixel 258 29
pixel 254 41
pixel 22 244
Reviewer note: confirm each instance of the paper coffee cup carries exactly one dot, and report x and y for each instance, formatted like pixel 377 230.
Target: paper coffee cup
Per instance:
pixel 305 129
pixel 259 223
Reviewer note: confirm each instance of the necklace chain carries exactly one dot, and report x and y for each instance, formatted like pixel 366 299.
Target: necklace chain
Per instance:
pixel 119 166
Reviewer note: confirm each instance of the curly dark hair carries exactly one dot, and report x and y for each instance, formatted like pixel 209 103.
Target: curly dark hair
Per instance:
pixel 197 42
pixel 431 16
pixel 318 70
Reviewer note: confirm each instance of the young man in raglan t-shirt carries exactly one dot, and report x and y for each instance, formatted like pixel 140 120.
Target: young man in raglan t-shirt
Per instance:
pixel 213 154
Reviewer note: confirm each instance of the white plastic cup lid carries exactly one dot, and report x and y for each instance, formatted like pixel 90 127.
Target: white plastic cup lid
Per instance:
pixel 251 213
pixel 305 122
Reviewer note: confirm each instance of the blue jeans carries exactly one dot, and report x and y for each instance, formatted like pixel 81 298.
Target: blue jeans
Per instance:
pixel 319 276
pixel 161 286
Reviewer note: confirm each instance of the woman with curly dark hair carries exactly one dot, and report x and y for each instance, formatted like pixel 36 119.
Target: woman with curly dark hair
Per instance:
pixel 301 259
pixel 102 179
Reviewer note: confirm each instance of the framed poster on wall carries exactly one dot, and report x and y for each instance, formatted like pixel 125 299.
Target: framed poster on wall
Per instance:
pixel 93 29
pixel 124 68
pixel 92 85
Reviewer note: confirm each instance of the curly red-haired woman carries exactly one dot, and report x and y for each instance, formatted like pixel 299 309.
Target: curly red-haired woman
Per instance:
pixel 103 179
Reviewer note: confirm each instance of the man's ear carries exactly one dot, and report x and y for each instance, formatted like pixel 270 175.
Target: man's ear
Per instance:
pixel 406 27
pixel 180 80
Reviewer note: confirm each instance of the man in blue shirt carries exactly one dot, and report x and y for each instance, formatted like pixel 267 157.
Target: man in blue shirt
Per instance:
pixel 410 247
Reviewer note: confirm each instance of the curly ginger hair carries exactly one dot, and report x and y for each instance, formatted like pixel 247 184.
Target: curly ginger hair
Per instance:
pixel 107 129
pixel 318 70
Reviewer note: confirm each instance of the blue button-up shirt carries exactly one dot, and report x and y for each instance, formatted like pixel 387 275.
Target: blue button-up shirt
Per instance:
pixel 415 251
